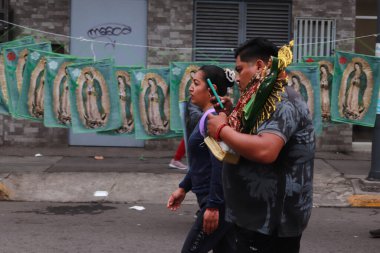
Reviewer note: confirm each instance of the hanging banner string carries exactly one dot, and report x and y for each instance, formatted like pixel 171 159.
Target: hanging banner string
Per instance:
pixel 169 48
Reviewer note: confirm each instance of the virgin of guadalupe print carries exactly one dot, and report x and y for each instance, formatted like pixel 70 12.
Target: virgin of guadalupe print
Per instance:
pixel 326 70
pixel 355 89
pixel 181 74
pixel 4 99
pixel 304 78
pixel 150 96
pixel 123 77
pixel 31 104
pixel 94 97
pixel 15 63
pixel 57 112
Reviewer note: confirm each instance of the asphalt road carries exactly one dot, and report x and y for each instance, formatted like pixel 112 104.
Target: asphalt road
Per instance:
pixel 62 227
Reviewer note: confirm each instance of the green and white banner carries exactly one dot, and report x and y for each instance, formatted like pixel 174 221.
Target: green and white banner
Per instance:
pixel 151 104
pixel 94 97
pixel 123 76
pixel 15 61
pixel 326 75
pixel 57 112
pixel 4 99
pixel 355 88
pixel 304 78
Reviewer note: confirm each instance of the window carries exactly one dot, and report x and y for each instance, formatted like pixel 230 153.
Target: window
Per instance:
pixel 314 37
pixel 220 26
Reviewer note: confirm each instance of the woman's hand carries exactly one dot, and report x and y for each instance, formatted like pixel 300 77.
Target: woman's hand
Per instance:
pixel 210 220
pixel 214 122
pixel 175 199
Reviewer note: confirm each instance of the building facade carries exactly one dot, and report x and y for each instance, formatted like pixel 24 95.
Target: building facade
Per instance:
pixel 187 24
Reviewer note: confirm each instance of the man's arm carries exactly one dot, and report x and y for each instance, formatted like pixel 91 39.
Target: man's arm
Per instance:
pixel 262 148
pixel 271 138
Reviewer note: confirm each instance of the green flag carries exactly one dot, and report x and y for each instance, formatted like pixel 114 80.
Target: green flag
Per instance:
pixel 326 76
pixel 304 78
pixel 123 77
pixel 57 111
pixel 15 62
pixel 150 98
pixel 94 99
pixel 355 88
pixel 4 99
pixel 32 100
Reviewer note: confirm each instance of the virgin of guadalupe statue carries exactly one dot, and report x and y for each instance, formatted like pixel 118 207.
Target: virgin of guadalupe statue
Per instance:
pixel 356 85
pixel 187 87
pixel 154 99
pixel 38 104
pixel 125 100
pixel 299 87
pixel 92 101
pixel 64 114
pixel 326 79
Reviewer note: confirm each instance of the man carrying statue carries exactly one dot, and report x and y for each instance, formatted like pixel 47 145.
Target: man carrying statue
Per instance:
pixel 269 191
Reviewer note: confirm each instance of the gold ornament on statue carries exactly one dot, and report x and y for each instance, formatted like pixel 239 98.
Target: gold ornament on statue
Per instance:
pixel 285 55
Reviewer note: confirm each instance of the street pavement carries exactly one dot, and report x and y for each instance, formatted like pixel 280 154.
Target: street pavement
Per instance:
pixel 36 227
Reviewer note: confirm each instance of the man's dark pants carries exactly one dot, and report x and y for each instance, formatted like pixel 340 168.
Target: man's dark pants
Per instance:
pixel 250 241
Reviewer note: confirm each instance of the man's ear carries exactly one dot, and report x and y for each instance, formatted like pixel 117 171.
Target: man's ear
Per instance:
pixel 260 64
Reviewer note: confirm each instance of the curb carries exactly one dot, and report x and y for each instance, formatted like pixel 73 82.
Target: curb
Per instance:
pixel 364 200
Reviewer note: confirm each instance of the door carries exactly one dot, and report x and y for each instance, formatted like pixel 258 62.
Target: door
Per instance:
pixel 111 21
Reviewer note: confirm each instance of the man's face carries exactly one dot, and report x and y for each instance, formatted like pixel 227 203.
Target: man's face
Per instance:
pixel 245 70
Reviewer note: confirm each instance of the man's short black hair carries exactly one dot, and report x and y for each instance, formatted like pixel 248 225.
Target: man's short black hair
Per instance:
pixel 258 48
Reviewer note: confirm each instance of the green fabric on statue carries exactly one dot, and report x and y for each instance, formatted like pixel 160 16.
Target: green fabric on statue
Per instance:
pixel 4 99
pixel 355 88
pixel 57 111
pixel 94 96
pixel 326 71
pixel 304 78
pixel 150 98
pixel 123 76
pixel 15 63
pixel 32 100
pixel 180 81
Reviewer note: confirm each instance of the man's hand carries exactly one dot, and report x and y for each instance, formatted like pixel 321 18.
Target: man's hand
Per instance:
pixel 210 220
pixel 176 199
pixel 214 122
pixel 226 101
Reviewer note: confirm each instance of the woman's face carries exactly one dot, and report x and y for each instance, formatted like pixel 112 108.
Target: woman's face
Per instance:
pixel 120 80
pixel 198 89
pixel 150 82
pixel 357 67
pixel 87 76
pixel 323 70
pixel 295 80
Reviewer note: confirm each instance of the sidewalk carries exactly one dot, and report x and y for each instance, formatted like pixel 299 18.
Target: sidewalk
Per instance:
pixel 138 175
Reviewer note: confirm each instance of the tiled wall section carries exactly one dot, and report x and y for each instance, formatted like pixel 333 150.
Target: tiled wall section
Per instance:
pixel 170 24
